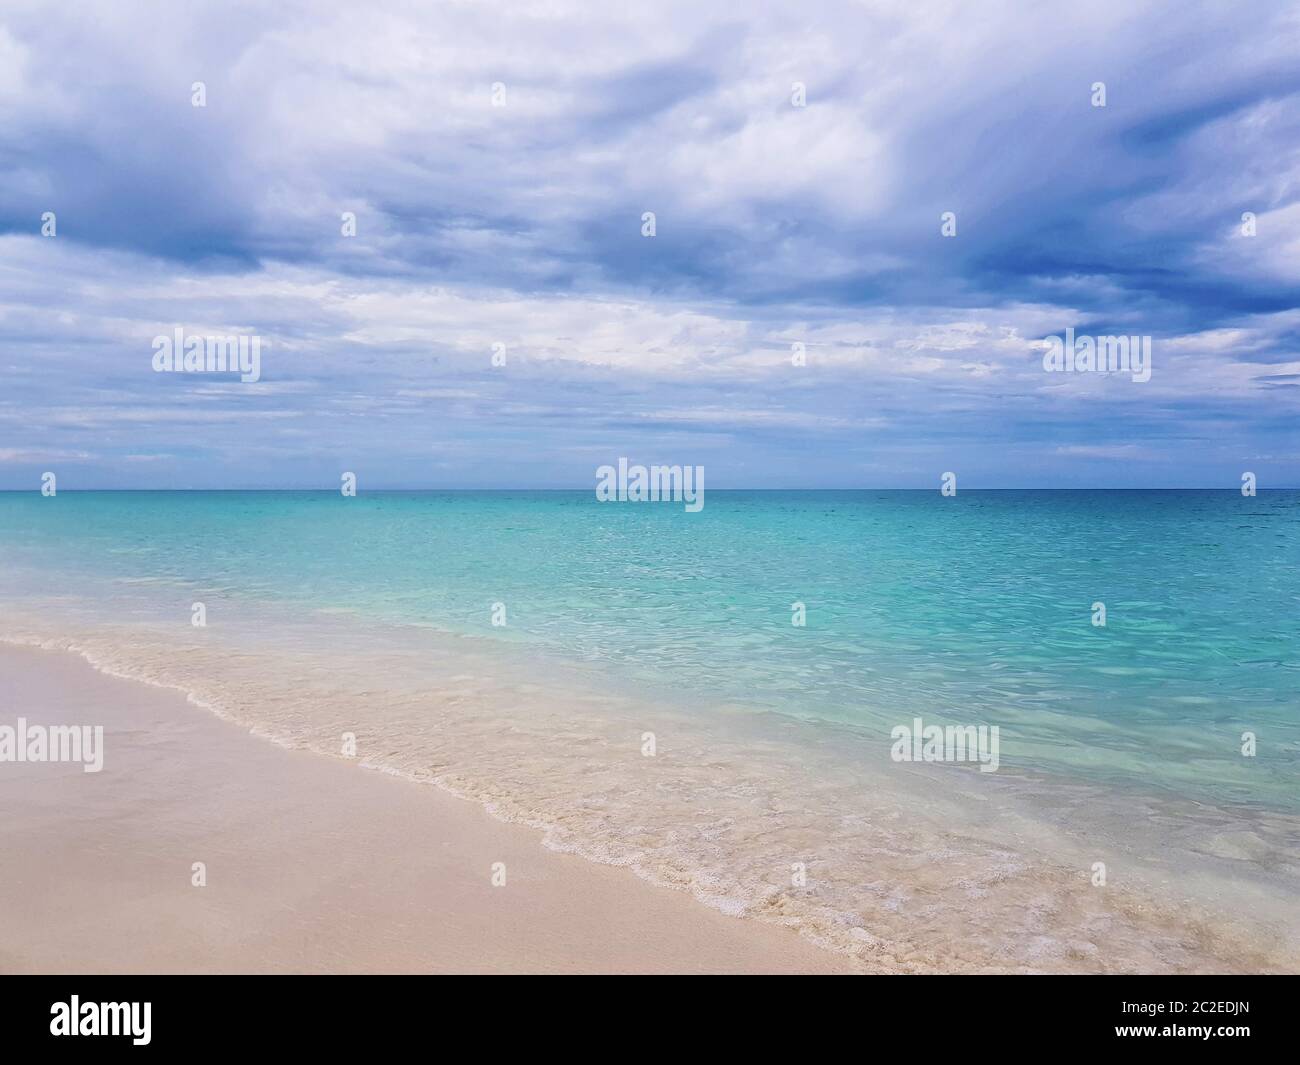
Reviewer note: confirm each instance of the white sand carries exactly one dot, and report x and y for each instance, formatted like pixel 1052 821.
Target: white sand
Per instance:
pixel 313 864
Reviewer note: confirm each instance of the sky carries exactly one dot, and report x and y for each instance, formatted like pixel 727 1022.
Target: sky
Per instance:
pixel 799 160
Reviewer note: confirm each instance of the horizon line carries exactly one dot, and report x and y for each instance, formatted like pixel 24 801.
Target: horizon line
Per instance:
pixel 587 488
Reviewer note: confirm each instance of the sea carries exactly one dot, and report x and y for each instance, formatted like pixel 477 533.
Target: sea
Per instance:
pixel 715 699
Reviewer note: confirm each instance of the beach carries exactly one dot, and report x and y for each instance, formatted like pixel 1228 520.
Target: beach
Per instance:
pixel 331 700
pixel 312 864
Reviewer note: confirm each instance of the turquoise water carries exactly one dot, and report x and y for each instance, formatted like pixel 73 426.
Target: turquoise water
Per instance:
pixel 976 608
pixel 372 616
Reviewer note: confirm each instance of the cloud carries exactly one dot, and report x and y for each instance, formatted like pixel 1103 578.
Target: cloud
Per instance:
pixel 13 455
pixel 520 225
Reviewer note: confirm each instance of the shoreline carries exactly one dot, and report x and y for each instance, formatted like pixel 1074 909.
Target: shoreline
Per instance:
pixel 894 866
pixel 312 864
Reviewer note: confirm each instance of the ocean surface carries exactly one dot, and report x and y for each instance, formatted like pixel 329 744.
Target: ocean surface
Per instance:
pixel 530 650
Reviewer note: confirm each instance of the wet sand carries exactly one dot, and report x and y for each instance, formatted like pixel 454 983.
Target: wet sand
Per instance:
pixel 312 864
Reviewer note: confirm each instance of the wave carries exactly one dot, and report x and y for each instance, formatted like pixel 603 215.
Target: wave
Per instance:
pixel 901 868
